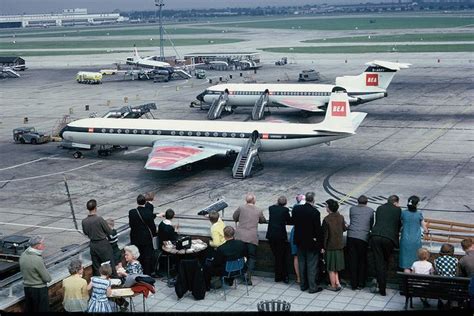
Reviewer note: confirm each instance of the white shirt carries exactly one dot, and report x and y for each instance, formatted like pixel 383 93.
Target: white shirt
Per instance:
pixel 422 267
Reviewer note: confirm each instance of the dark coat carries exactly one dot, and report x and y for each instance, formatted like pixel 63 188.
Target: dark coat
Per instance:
pixel 139 232
pixel 190 278
pixel 279 218
pixel 230 250
pixel 388 223
pixel 166 232
pixel 308 232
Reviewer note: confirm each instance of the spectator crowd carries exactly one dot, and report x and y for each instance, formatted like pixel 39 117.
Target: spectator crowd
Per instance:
pixel 316 248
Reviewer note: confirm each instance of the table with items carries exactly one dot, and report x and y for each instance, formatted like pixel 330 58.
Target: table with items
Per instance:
pixel 197 245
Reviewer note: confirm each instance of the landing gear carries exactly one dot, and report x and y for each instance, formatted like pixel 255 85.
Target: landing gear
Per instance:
pixel 77 155
pixel 104 152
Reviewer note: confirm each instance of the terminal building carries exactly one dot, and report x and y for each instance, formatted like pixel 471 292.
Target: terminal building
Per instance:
pixel 69 17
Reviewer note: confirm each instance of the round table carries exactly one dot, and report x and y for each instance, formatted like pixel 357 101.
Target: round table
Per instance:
pixel 197 245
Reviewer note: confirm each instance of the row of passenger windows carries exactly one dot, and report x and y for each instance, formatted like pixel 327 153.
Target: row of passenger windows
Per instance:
pixel 173 133
pixel 318 94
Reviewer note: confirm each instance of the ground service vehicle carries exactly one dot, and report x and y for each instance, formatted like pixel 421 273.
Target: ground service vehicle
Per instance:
pixel 29 135
pixel 308 75
pixel 281 62
pixel 89 77
pixel 200 74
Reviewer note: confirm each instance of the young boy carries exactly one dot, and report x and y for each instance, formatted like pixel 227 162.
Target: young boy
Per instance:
pixel 113 240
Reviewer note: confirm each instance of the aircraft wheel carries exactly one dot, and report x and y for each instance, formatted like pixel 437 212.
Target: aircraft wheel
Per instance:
pixel 77 155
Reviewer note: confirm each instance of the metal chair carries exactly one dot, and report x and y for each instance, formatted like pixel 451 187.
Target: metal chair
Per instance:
pixel 233 269
pixel 273 306
pixel 164 254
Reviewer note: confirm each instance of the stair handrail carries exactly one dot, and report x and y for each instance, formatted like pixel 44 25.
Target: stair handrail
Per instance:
pixel 256 109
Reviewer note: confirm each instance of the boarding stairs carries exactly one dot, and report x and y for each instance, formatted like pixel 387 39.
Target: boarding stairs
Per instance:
pixel 181 74
pixel 244 162
pixel 259 107
pixel 132 112
pixel 217 107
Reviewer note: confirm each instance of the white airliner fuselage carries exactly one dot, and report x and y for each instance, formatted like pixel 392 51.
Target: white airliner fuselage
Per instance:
pixel 367 86
pixel 137 132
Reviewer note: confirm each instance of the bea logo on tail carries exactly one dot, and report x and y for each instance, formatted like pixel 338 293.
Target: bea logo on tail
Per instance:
pixel 372 80
pixel 338 108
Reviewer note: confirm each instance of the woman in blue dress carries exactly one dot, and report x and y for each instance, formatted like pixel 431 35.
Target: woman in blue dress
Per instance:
pixel 410 241
pixel 101 290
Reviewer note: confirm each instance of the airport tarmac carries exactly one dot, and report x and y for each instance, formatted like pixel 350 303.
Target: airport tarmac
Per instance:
pixel 418 141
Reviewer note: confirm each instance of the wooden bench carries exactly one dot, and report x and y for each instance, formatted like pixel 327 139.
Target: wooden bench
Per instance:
pixel 433 286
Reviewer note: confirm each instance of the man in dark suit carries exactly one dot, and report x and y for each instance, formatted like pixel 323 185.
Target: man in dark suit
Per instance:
pixel 384 238
pixel 142 231
pixel 308 237
pixel 278 237
pixel 232 249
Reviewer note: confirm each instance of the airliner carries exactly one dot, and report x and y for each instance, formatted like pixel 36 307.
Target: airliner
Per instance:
pixel 370 85
pixel 152 64
pixel 147 62
pixel 178 143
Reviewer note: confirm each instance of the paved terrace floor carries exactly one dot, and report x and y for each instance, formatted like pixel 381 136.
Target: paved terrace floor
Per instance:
pixel 264 288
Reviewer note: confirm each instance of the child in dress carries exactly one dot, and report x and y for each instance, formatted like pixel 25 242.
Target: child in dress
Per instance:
pixel 101 290
pixel 423 266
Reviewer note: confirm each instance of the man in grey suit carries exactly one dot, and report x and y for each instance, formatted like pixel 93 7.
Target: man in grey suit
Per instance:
pixel 248 217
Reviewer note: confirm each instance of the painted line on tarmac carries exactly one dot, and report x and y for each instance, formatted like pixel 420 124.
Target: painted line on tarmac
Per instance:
pixel 37 226
pixel 51 174
pixel 26 163
pixel 128 152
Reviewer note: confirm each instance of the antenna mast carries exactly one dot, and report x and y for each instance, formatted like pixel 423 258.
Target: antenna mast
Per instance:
pixel 160 4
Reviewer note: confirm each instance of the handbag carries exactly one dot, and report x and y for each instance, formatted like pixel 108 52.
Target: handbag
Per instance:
pixel 154 239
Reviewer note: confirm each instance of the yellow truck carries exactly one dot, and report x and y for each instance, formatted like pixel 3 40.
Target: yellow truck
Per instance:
pixel 89 77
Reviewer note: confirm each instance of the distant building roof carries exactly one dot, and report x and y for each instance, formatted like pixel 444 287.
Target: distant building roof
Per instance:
pixel 221 54
pixel 10 59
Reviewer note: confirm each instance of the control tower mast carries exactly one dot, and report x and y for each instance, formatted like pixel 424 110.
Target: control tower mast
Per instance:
pixel 160 4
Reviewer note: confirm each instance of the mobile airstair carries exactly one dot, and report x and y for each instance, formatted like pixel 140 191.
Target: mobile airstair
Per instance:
pixel 259 107
pixel 217 107
pixel 244 162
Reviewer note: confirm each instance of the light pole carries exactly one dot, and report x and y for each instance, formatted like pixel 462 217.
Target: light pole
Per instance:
pixel 160 4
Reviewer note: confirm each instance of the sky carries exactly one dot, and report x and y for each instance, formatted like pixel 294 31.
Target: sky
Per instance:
pixel 97 6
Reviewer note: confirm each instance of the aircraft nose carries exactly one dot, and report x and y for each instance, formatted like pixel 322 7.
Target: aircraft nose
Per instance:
pixel 200 96
pixel 64 129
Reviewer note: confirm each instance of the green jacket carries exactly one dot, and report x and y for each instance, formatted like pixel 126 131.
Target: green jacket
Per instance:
pixel 33 269
pixel 387 223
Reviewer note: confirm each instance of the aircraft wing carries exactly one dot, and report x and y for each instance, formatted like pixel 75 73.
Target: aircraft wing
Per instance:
pixel 168 155
pixel 302 105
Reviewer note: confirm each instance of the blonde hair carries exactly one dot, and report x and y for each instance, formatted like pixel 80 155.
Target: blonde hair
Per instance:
pixel 423 254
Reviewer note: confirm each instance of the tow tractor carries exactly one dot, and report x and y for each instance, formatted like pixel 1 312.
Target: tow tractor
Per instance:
pixel 29 135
